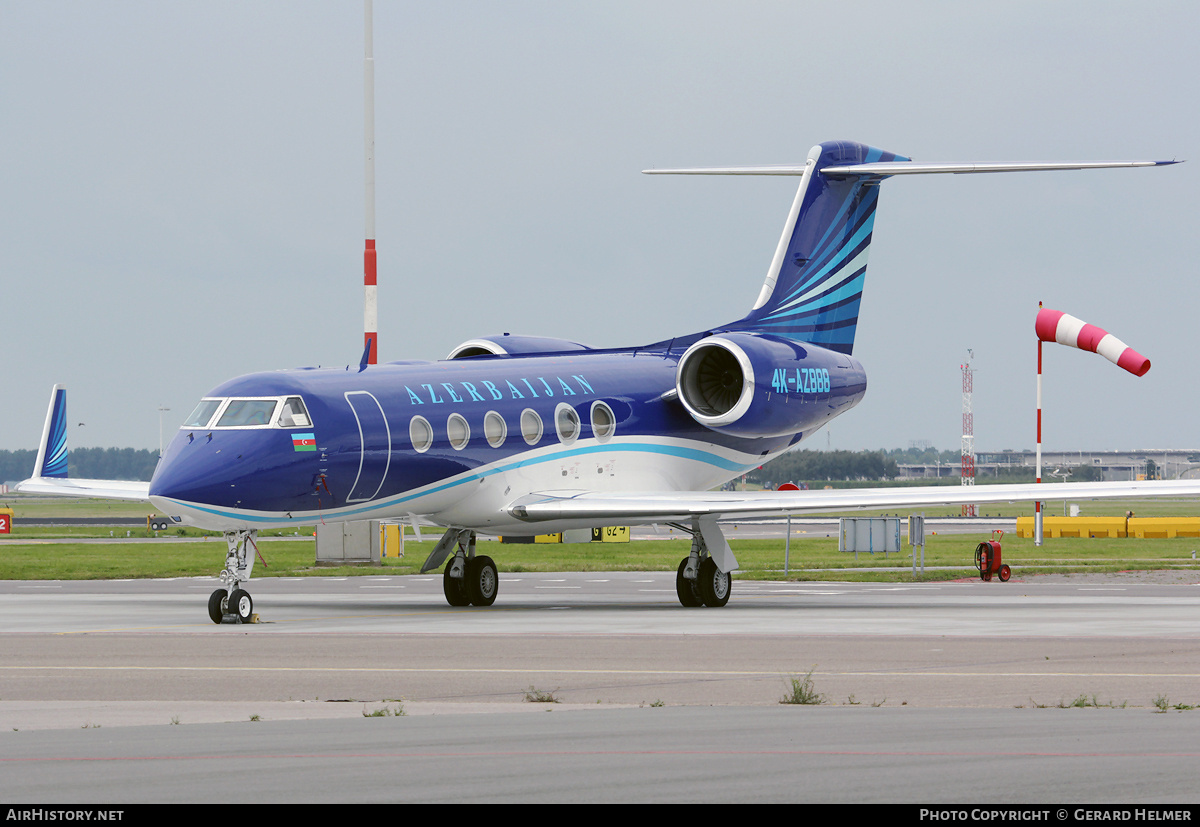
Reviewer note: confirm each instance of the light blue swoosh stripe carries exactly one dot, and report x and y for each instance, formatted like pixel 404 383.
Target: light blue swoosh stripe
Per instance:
pixel 694 454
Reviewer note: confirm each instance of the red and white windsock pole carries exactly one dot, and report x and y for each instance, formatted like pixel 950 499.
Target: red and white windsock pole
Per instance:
pixel 370 300
pixel 1056 326
pixel 1037 505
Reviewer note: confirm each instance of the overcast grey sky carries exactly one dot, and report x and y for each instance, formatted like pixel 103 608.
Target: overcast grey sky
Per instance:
pixel 181 195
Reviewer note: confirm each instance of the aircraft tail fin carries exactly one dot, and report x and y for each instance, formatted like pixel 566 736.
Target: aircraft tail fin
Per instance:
pixel 814 285
pixel 52 451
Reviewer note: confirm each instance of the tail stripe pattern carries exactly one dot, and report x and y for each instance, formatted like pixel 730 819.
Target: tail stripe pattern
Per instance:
pixel 819 287
pixel 55 462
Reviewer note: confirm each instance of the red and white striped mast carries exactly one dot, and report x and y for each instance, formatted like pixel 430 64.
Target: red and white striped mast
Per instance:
pixel 370 299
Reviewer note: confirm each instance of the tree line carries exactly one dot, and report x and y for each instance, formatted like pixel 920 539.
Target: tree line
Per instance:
pixel 89 463
pixel 810 466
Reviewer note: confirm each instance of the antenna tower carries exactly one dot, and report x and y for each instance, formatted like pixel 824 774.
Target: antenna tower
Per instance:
pixel 968 429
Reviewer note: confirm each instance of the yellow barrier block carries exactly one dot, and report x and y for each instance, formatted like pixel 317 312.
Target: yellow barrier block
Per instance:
pixel 1073 526
pixel 1143 528
pixel 548 538
pixel 1164 527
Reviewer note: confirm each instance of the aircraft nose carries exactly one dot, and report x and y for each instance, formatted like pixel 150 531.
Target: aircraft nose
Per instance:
pixel 234 472
pixel 186 470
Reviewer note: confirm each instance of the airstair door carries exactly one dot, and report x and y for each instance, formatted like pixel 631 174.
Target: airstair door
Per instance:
pixel 375 446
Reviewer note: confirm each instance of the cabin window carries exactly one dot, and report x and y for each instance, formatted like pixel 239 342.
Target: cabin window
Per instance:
pixel 421 434
pixel 495 429
pixel 247 413
pixel 458 431
pixel 604 422
pixel 566 423
pixel 531 426
pixel 294 414
pixel 203 413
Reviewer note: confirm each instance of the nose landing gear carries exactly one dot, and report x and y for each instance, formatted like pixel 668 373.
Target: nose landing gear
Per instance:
pixel 233 604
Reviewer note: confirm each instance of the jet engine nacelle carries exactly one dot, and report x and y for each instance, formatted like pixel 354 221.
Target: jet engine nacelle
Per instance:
pixel 753 385
pixel 509 345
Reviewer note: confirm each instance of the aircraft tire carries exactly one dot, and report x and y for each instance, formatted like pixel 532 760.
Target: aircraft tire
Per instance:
pixel 714 584
pixel 482 581
pixel 454 588
pixel 216 605
pixel 689 595
pixel 242 604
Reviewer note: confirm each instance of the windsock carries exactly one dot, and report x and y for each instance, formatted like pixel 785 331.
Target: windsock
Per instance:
pixel 1056 326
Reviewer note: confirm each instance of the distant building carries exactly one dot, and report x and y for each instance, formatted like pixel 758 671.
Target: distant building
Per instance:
pixel 1114 465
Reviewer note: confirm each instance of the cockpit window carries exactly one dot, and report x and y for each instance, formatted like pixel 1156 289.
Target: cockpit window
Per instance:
pixel 294 414
pixel 203 413
pixel 267 412
pixel 241 413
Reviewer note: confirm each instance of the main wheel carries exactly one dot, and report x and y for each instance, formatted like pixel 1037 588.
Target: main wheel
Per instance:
pixel 482 581
pixel 242 605
pixel 689 595
pixel 216 605
pixel 714 584
pixel 454 588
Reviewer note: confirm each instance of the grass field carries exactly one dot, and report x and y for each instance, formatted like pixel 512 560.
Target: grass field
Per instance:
pixel 99 552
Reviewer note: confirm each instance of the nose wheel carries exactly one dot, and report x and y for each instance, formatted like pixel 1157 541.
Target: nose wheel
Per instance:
pixel 233 603
pixel 237 607
pixel 217 602
pixel 242 605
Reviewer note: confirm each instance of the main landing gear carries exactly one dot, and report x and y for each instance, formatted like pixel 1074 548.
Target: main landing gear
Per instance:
pixel 233 603
pixel 699 580
pixel 467 580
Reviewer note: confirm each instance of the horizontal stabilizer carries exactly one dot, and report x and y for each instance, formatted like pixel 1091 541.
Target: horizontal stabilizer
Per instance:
pixel 911 168
pixel 880 168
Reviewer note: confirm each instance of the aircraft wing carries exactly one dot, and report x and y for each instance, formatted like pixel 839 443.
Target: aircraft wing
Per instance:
pixel 72 487
pixel 660 507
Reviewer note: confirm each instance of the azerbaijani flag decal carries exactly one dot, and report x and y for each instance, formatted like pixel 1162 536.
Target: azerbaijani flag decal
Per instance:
pixel 304 442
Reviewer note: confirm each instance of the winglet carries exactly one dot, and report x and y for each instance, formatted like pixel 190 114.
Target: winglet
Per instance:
pixel 52 452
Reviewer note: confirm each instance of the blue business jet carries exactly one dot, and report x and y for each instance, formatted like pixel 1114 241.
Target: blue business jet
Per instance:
pixel 521 434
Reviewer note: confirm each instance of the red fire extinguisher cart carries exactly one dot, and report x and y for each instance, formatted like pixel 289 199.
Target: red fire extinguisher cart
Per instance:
pixel 987 560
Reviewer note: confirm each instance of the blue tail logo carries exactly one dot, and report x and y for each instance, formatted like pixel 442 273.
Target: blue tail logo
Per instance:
pixel 814 286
